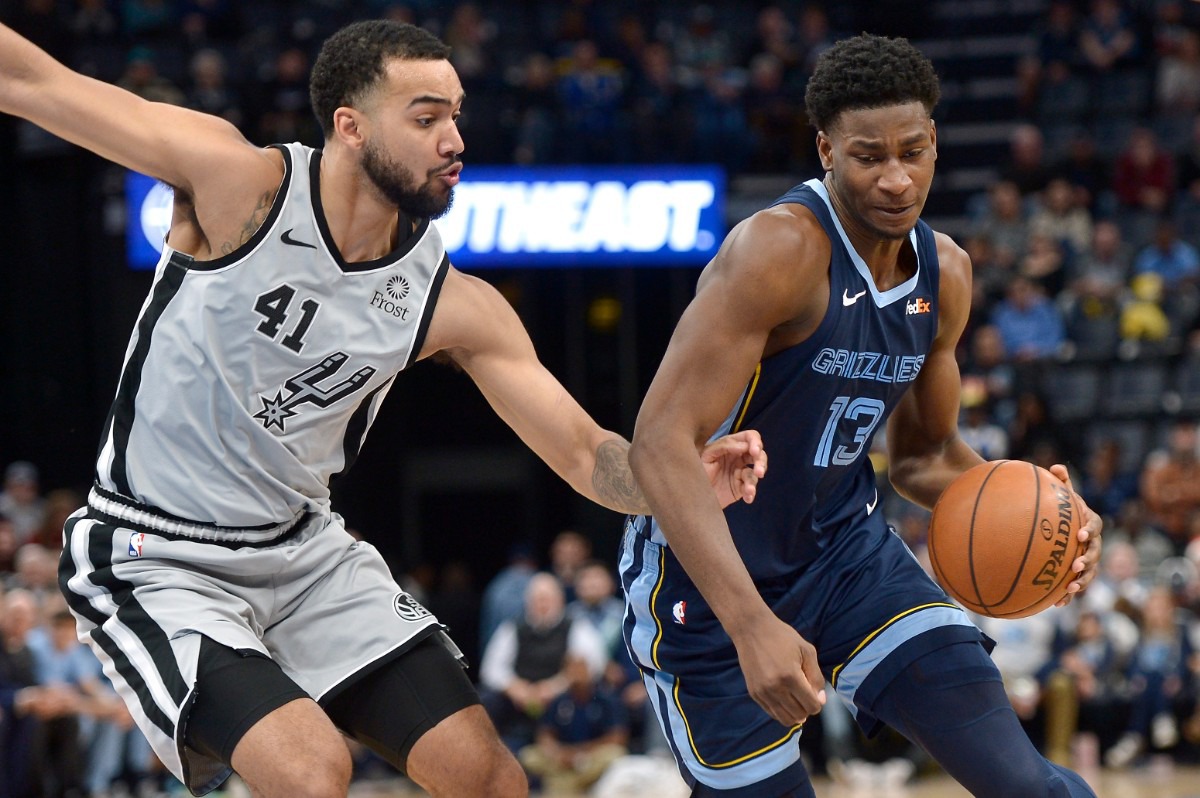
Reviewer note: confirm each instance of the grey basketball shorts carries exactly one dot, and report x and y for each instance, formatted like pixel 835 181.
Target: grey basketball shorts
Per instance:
pixel 145 588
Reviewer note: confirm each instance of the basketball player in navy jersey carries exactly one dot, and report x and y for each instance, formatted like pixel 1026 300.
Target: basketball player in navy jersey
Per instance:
pixel 242 625
pixel 820 319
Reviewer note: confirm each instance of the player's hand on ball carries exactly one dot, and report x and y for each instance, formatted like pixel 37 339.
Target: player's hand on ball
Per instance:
pixel 1089 533
pixel 734 464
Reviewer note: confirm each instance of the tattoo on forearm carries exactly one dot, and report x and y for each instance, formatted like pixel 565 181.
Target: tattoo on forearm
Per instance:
pixel 613 480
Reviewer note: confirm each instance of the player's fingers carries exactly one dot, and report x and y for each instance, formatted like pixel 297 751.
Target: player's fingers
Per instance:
pixel 1062 473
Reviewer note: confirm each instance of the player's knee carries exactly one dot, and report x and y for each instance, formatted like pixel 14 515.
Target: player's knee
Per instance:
pixel 1053 782
pixel 498 776
pixel 327 775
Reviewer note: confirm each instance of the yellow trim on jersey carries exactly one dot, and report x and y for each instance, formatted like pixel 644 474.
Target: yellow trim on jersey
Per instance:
pixel 737 425
pixel 692 743
pixel 881 630
pixel 662 564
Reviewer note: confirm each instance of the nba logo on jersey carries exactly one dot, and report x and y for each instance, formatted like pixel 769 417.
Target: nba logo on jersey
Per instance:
pixel 408 608
pixel 679 612
pixel 135 543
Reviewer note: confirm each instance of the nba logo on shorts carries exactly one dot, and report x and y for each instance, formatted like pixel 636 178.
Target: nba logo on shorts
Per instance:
pixel 408 608
pixel 679 611
pixel 135 544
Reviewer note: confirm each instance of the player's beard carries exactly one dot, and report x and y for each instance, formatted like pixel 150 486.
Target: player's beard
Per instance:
pixel 399 186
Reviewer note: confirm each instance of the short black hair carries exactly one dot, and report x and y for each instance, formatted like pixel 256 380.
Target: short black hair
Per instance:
pixel 868 71
pixel 352 61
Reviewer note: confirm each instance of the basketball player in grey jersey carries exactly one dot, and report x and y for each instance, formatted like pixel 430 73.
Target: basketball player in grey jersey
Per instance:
pixel 241 623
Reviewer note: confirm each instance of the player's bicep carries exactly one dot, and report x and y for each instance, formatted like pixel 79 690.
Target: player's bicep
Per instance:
pixel 710 359
pixel 760 280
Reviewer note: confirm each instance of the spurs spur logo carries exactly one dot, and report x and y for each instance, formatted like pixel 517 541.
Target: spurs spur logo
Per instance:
pixel 304 388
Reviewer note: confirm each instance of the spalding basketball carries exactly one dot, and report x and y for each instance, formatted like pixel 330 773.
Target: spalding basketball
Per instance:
pixel 1002 539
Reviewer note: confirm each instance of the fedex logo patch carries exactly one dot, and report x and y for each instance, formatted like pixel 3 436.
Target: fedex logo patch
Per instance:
pixel 918 305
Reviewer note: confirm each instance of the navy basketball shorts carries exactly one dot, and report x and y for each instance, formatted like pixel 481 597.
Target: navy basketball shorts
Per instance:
pixel 866 605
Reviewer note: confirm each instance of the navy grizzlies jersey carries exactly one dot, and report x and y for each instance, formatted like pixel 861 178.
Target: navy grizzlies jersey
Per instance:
pixel 819 404
pixel 251 380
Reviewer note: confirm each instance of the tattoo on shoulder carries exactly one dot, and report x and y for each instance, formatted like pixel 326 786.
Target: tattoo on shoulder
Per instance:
pixel 612 478
pixel 252 224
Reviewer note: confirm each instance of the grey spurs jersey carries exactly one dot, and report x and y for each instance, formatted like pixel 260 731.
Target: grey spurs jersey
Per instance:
pixel 252 379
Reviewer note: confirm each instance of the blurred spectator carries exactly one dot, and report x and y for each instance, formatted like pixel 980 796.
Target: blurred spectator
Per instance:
pixel 522 667
pixel 282 104
pixel 1062 218
pixel 989 277
pixel 8 550
pixel 64 663
pixel 60 504
pixel 1107 37
pixel 469 35
pixel 1119 585
pixel 92 21
pixel 661 115
pixel 596 602
pixel 36 570
pixel 987 365
pixel 142 78
pixel 568 552
pixel 1045 262
pixel 1088 172
pixel 27 705
pixel 1106 486
pixel 1177 81
pixel 1144 184
pixel 1004 222
pixel 21 501
pixel 1029 323
pixel 776 128
pixel 535 105
pixel 1027 167
pixel 1170 482
pixel 701 45
pixel 816 36
pixel 144 20
pixel 581 733
pixel 1170 257
pixel 1158 674
pixel 205 22
pixel 1056 56
pixel 591 93
pixel 722 128
pixel 210 91
pixel 775 35
pixel 1099 274
pixel 1032 431
pixel 1096 670
pixel 504 597
pixel 1150 545
pixel 977 428
pixel 1187 206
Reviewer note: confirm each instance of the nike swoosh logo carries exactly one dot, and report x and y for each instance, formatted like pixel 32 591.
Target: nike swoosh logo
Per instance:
pixel 847 300
pixel 871 504
pixel 287 239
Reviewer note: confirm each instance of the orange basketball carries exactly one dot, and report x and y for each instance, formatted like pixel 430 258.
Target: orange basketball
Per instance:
pixel 1002 539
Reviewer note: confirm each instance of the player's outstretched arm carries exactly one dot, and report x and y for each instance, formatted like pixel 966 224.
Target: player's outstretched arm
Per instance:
pixel 175 145
pixel 478 330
